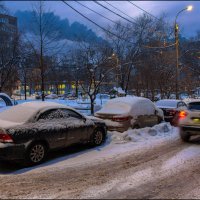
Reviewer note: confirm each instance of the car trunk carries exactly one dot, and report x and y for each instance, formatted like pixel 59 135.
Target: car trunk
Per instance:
pixel 115 122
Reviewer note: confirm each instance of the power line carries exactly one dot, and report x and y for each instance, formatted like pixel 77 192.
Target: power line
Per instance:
pixel 115 13
pixel 101 15
pixel 117 36
pixel 143 10
pixel 96 23
pixel 119 10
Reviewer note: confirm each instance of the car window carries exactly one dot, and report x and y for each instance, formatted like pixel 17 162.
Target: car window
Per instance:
pixel 53 114
pixel 72 113
pixel 194 106
pixel 180 104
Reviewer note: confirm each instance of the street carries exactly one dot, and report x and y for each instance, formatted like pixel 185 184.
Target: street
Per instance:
pixel 163 168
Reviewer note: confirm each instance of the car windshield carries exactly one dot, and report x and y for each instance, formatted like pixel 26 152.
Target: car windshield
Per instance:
pixel 17 114
pixel 194 106
pixel 166 103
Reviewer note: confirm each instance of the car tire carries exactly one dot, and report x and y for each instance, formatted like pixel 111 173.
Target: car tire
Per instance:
pixel 136 126
pixel 185 137
pixel 98 137
pixel 36 153
pixel 160 120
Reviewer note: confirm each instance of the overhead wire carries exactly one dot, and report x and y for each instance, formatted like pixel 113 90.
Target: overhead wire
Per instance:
pixel 116 13
pixel 119 10
pixel 104 29
pixel 143 10
pixel 101 15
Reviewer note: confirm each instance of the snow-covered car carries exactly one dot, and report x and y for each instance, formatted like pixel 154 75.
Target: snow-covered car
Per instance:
pixel 189 121
pixel 29 130
pixel 51 96
pixel 171 108
pixel 124 112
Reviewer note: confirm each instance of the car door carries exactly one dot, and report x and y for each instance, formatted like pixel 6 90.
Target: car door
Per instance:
pixel 54 131
pixel 78 127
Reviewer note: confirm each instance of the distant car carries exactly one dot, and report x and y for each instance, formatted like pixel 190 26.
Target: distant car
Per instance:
pixel 30 130
pixel 170 108
pixel 136 112
pixel 189 121
pixel 51 96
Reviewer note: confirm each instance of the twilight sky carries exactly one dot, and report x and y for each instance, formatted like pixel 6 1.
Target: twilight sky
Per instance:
pixel 189 21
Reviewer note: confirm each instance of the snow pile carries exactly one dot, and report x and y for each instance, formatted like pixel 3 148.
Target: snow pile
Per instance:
pixel 139 135
pixel 119 90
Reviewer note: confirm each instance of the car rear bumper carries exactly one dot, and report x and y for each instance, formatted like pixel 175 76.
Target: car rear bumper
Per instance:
pixel 194 130
pixel 12 151
pixel 168 118
pixel 119 129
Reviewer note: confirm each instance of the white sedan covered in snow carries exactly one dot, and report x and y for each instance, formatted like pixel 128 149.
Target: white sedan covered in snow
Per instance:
pixel 29 130
pixel 124 112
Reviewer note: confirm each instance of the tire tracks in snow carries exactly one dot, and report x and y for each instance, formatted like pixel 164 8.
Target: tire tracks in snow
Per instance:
pixel 96 180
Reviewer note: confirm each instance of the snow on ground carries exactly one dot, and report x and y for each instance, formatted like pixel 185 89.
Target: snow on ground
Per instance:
pixel 117 145
pixel 145 134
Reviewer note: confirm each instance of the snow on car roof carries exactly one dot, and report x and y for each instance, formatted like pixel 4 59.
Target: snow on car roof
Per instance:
pixel 39 104
pixel 129 100
pixel 22 113
pixel 170 103
pixel 133 106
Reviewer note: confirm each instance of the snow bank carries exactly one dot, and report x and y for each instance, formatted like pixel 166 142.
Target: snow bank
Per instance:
pixel 140 135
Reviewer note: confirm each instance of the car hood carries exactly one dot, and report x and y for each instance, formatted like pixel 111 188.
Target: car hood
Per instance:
pixel 8 124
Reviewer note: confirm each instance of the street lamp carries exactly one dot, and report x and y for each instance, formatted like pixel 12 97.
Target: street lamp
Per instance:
pixel 188 8
pixel 117 65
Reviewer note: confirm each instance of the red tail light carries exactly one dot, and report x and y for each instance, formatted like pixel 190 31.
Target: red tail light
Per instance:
pixel 120 119
pixel 4 137
pixel 182 114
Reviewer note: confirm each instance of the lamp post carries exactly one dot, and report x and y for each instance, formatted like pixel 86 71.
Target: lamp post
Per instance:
pixel 188 8
pixel 117 65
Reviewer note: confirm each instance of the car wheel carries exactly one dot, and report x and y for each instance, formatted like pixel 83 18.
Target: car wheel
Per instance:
pixel 185 137
pixel 136 126
pixel 36 154
pixel 160 120
pixel 98 137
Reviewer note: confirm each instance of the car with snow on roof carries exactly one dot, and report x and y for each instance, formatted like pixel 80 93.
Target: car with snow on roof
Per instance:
pixel 171 108
pixel 189 121
pixel 136 112
pixel 30 130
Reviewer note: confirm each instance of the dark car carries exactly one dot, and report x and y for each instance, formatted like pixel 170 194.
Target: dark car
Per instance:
pixel 30 130
pixel 171 108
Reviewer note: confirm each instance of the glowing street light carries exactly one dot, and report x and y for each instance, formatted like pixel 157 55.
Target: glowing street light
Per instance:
pixel 188 8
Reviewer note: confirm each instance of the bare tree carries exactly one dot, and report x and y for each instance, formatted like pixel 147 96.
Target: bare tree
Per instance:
pixel 93 67
pixel 44 41
pixel 9 58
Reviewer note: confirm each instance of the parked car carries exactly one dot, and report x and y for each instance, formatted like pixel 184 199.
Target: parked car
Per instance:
pixel 51 96
pixel 124 112
pixel 30 130
pixel 189 121
pixel 171 108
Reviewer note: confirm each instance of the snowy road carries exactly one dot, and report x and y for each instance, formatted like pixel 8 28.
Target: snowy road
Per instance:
pixel 148 166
